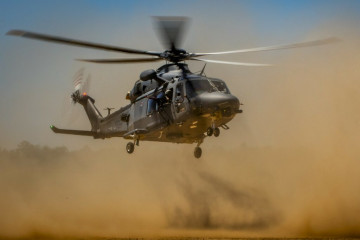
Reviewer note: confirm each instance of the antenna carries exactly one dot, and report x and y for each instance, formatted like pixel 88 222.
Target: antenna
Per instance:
pixel 109 110
pixel 203 70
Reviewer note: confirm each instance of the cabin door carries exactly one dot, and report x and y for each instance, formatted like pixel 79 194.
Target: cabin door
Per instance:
pixel 180 106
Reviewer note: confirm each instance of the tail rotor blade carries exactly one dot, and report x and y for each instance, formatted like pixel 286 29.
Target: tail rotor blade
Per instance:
pixel 78 79
pixel 86 85
pixel 81 84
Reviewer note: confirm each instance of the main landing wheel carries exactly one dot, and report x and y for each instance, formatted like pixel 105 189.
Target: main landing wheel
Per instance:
pixel 216 132
pixel 209 131
pixel 197 152
pixel 130 147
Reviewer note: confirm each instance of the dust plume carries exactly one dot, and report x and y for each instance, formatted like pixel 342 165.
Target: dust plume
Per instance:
pixel 85 193
pixel 211 206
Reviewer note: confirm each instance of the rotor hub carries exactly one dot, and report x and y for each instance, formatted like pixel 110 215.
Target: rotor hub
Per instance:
pixel 175 55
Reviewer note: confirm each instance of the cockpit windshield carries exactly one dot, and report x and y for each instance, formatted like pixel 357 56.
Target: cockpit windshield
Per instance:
pixel 221 86
pixel 199 86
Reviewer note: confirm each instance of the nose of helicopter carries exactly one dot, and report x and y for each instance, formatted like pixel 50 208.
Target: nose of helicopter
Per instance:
pixel 216 101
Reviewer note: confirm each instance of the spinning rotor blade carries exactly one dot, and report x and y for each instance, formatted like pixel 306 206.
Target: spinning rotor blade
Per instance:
pixel 121 60
pixel 276 47
pixel 232 63
pixel 81 83
pixel 78 79
pixel 61 40
pixel 171 30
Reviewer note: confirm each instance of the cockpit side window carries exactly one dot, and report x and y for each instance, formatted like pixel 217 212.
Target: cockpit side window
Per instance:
pixel 198 86
pixel 190 90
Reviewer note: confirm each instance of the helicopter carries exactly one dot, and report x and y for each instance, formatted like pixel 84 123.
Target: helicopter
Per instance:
pixel 169 104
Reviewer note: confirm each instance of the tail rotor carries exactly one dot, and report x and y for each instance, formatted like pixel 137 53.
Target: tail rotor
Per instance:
pixel 81 85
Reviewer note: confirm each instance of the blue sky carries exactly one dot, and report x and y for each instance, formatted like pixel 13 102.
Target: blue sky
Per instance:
pixel 35 76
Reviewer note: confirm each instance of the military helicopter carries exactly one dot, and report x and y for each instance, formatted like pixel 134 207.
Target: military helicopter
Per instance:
pixel 170 104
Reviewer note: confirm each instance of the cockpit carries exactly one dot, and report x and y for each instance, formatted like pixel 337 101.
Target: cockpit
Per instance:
pixel 198 86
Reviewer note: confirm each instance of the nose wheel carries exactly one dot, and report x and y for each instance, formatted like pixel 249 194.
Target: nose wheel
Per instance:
pixel 130 147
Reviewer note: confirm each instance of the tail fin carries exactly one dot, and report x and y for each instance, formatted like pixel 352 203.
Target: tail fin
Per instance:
pixel 92 112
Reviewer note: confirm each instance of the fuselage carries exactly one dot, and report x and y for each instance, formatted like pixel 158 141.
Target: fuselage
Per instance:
pixel 179 110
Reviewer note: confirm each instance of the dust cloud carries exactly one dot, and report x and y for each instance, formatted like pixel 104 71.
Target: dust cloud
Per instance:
pixel 289 166
pixel 57 192
pixel 207 207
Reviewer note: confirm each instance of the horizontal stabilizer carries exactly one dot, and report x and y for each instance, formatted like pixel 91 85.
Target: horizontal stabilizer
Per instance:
pixel 72 132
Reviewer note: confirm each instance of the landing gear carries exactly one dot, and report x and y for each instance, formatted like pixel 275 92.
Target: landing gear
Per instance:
pixel 130 147
pixel 210 131
pixel 216 132
pixel 197 152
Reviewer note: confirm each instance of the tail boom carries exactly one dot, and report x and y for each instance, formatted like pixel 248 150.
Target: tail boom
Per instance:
pixel 92 112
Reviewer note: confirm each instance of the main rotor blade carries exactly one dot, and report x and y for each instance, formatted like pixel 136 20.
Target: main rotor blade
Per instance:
pixel 276 47
pixel 79 43
pixel 233 63
pixel 121 60
pixel 171 30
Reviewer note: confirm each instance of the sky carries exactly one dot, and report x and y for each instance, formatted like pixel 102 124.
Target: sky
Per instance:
pixel 35 77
